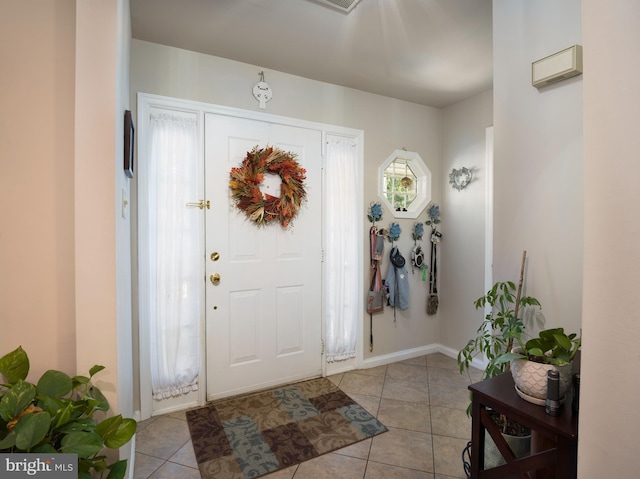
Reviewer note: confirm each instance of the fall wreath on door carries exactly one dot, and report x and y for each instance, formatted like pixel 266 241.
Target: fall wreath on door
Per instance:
pixel 262 208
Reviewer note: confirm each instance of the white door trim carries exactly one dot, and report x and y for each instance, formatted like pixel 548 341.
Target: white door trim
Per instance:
pixel 145 102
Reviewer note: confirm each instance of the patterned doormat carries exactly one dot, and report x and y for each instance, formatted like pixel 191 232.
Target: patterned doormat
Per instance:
pixel 253 435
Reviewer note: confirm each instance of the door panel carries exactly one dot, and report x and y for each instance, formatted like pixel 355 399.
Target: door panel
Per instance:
pixel 263 323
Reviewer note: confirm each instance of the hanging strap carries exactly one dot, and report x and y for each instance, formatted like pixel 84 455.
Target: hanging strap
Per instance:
pixel 376 278
pixel 433 287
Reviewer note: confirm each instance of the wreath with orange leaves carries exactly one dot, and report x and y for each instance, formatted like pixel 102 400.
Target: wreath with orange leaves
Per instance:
pixel 262 208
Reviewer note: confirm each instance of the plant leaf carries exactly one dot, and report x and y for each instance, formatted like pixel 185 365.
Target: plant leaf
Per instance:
pixel 54 384
pixel 100 402
pixel 536 352
pixel 31 429
pixel 116 431
pixel 15 365
pixel 82 443
pixel 508 357
pixel 117 469
pixel 563 341
pixel 95 370
pixel 9 441
pixel 16 399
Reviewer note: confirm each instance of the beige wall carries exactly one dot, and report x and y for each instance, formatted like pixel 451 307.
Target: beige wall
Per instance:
pixel 37 262
pixel 609 418
pixel 538 158
pixel 388 125
pixel 463 248
pixel 64 249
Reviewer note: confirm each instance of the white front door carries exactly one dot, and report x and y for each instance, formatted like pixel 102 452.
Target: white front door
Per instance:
pixel 263 318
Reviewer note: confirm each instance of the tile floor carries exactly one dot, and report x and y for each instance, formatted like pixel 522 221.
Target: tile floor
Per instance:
pixel 422 401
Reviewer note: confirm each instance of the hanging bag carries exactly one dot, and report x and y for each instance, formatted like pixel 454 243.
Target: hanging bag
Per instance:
pixel 376 293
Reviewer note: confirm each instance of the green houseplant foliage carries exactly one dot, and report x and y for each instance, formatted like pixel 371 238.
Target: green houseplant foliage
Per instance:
pixel 57 415
pixel 499 330
pixel 552 346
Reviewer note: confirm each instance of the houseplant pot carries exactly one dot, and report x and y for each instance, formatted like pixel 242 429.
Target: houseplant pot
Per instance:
pixel 530 363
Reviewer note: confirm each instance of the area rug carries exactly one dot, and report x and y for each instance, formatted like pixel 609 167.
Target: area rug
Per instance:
pixel 258 434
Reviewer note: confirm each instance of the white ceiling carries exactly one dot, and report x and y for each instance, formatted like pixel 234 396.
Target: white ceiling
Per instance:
pixel 431 52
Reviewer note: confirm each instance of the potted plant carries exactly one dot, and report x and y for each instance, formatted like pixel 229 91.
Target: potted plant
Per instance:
pixel 496 336
pixel 58 414
pixel 531 361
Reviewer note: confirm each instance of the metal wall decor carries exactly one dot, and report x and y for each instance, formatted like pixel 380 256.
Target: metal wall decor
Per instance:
pixel 459 179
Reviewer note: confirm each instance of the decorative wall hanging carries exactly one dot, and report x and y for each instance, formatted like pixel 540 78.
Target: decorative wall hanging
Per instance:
pixel 262 92
pixel 459 179
pixel 394 232
pixel 375 213
pixel 417 255
pixel 262 208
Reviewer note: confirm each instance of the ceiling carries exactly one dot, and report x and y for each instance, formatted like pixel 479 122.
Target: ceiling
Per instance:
pixel 430 52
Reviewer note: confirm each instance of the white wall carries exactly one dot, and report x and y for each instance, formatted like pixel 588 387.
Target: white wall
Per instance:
pixel 388 125
pixel 609 418
pixel 463 215
pixel 538 160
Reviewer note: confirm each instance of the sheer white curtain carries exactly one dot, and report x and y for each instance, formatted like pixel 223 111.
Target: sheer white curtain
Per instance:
pixel 342 248
pixel 171 253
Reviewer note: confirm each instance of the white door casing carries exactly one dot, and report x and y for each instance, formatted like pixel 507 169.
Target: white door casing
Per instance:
pixel 209 349
pixel 264 317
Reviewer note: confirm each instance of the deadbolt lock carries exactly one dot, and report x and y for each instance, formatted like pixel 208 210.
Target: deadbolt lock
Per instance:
pixel 215 256
pixel 215 278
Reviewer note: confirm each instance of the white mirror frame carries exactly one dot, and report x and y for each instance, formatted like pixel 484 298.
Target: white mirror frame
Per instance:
pixel 423 175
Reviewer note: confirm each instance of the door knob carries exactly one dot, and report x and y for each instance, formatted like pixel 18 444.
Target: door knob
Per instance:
pixel 215 278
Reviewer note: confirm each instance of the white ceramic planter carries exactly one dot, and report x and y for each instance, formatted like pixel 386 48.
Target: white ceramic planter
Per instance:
pixel 531 378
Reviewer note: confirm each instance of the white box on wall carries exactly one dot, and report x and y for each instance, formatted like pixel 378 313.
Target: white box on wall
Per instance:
pixel 559 66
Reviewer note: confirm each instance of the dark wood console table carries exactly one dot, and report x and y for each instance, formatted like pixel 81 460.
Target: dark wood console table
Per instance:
pixel 558 435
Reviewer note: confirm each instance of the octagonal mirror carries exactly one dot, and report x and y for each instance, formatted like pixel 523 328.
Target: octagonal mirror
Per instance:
pixel 404 184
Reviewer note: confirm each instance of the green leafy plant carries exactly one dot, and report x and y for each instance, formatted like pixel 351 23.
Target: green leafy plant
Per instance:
pixel 57 415
pixel 552 346
pixel 500 330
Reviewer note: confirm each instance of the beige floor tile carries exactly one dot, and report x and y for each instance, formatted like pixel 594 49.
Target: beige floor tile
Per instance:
pixel 331 466
pixel 399 447
pixel 447 453
pixel 405 390
pixel 450 422
pixel 407 372
pixel 185 456
pixel 362 384
pixel 359 449
pixel 336 378
pixel 376 371
pixel 448 377
pixel 163 437
pixel 145 465
pixel 170 470
pixel 419 361
pixel 445 396
pixel 405 415
pixel 385 471
pixel 439 360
